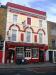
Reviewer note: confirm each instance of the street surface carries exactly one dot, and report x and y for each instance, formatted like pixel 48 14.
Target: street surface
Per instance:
pixel 28 69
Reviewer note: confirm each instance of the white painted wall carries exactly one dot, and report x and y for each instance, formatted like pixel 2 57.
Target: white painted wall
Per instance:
pixel 34 25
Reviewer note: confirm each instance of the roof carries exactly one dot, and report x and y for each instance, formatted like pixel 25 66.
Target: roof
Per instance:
pixel 26 8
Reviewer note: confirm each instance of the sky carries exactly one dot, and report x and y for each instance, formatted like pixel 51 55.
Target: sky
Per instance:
pixel 49 6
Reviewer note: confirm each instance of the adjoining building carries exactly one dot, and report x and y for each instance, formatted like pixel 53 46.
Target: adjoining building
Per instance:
pixel 26 34
pixel 3 11
pixel 51 41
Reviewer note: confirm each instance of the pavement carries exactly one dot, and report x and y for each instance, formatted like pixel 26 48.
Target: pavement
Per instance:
pixel 17 66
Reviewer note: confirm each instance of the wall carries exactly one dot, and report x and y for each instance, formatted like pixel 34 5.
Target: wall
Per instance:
pixel 34 25
pixel 2 21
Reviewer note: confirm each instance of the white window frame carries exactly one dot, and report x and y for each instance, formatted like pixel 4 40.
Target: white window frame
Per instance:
pixel 16 36
pixel 15 19
pixel 41 38
pixel 30 37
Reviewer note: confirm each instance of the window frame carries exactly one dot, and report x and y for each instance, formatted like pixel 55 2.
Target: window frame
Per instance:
pixel 15 18
pixel 53 43
pixel 28 36
pixel 29 23
pixel 40 38
pixel 13 36
pixel 37 55
pixel 18 51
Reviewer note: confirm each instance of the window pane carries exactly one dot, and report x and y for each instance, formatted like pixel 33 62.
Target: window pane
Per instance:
pixel 20 52
pixel 28 36
pixel 53 43
pixel 54 53
pixel 40 37
pixel 14 18
pixel 14 33
pixel 34 53
pixel 27 53
pixel 29 21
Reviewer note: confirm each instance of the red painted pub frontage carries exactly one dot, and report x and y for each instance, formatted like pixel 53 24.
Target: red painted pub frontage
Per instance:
pixel 25 51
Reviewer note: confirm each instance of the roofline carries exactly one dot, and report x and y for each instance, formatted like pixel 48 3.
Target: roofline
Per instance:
pixel 26 8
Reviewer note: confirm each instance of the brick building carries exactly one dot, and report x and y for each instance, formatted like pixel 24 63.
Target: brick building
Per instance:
pixel 51 41
pixel 2 29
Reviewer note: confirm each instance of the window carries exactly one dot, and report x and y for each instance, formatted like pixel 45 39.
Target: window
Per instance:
pixel 1 45
pixel 54 56
pixel 27 53
pixel 28 20
pixel 40 23
pixel 40 37
pixel 14 19
pixel 28 36
pixel 14 35
pixel 53 32
pixel 20 52
pixel 34 52
pixel 54 53
pixel 53 43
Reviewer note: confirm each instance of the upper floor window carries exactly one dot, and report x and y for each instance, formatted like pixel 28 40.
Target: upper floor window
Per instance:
pixel 28 36
pixel 14 35
pixel 40 37
pixel 40 23
pixel 14 19
pixel 53 43
pixel 29 20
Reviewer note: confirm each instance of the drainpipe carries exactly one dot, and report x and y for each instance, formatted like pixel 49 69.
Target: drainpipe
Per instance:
pixel 3 56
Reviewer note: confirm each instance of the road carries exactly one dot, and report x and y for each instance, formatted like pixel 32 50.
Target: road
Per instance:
pixel 29 71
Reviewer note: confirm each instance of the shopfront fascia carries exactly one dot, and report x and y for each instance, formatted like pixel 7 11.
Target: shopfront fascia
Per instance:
pixel 30 52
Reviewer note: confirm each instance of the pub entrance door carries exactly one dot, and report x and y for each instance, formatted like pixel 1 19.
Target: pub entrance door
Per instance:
pixel 11 54
pixel 41 56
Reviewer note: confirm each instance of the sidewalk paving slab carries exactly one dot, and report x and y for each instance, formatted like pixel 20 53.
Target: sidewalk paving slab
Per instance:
pixel 15 66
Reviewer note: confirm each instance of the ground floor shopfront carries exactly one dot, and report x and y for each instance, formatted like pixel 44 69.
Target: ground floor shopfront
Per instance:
pixel 30 52
pixel 52 55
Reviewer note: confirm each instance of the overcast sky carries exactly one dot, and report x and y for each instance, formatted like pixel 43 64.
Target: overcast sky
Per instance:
pixel 49 6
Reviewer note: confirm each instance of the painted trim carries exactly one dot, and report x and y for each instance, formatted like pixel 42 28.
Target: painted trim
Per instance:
pixel 31 14
pixel 14 44
pixel 29 28
pixel 41 30
pixel 15 25
pixel 26 8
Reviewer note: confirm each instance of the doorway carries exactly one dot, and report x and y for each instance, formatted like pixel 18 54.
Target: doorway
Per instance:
pixel 50 56
pixel 41 56
pixel 10 56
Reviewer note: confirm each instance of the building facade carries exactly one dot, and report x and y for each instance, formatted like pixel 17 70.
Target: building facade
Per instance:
pixel 2 29
pixel 51 41
pixel 26 34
